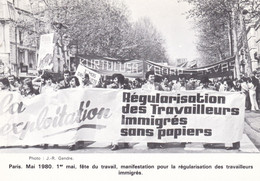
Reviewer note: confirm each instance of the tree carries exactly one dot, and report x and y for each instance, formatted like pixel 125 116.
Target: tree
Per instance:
pixel 213 24
pixel 215 21
pixel 102 28
pixel 149 42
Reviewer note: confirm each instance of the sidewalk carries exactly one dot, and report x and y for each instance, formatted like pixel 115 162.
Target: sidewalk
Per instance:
pixel 252 126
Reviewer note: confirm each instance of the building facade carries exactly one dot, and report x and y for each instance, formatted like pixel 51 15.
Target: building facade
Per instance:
pixel 20 31
pixel 19 40
pixel 253 37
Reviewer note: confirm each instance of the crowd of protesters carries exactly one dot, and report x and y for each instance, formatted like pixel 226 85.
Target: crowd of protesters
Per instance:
pixel 45 83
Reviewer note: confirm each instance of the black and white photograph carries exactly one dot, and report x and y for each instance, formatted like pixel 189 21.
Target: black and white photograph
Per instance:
pixel 130 89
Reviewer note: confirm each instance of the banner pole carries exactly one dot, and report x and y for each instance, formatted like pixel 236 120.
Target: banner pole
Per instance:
pixel 144 69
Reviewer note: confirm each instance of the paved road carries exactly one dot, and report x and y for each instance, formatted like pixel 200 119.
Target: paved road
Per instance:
pixel 252 127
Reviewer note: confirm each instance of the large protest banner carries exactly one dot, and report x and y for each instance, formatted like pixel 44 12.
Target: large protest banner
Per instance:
pixel 103 66
pixel 58 118
pixel 161 69
pixel 105 115
pixel 138 68
pixel 219 69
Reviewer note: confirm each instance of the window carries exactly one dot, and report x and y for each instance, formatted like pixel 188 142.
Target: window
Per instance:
pixel 20 35
pixel 21 55
pixel 32 59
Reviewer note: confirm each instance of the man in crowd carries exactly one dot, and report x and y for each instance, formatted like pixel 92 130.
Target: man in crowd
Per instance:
pixel 245 90
pixel 150 82
pixel 13 83
pixel 255 81
pixel 165 83
pixel 152 85
pixel 64 84
pixel 85 82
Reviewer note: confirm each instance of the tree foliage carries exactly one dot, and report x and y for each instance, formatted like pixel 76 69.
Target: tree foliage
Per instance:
pixel 213 28
pixel 102 28
pixel 214 24
pixel 148 41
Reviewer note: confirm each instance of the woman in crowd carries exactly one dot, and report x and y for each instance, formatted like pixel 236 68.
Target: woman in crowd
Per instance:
pixel 230 86
pixel 136 84
pixel 4 84
pixel 252 95
pixel 27 89
pixel 118 82
pixel 49 86
pixel 74 82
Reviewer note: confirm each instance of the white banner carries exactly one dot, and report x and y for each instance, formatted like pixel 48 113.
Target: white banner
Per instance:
pixel 93 76
pixel 45 59
pixel 108 115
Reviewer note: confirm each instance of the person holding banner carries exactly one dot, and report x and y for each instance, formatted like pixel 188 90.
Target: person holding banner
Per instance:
pixel 85 82
pixel 39 82
pixel 49 86
pixel 118 83
pixel 207 84
pixel 183 85
pixel 152 85
pixel 177 85
pixel 204 85
pixel 150 82
pixel 137 84
pixel 190 84
pixel 165 83
pixel 222 86
pixel 74 83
